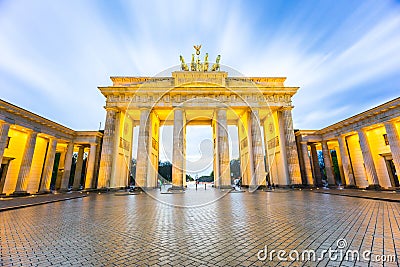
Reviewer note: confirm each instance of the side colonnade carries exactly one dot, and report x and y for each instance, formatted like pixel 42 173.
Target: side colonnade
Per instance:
pixel 37 154
pixel 362 151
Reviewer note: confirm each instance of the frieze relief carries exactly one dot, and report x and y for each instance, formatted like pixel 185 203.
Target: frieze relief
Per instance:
pixel 170 99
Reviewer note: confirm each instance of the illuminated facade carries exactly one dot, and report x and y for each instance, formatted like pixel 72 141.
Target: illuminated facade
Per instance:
pixel 36 154
pixel 362 151
pixel 200 98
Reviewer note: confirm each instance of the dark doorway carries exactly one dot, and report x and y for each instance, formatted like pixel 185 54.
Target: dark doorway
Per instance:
pixel 3 174
pixel 394 179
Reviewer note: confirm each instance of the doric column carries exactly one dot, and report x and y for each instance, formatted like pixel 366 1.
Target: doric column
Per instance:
pixel 223 149
pixel 307 163
pixel 258 154
pixel 4 128
pixel 394 143
pixel 368 160
pixel 344 154
pixel 48 166
pixel 316 167
pixel 178 150
pixel 78 169
pixel 267 159
pixel 23 175
pixel 291 149
pixel 143 158
pixel 67 166
pixel 90 166
pixel 328 163
pixel 107 151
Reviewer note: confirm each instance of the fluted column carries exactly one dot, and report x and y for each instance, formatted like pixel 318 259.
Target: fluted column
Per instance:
pixel 291 149
pixel 23 175
pixel 143 158
pixel 328 163
pixel 67 166
pixel 316 167
pixel 107 151
pixel 178 150
pixel 90 166
pixel 258 155
pixel 368 160
pixel 307 163
pixel 4 128
pixel 394 143
pixel 344 154
pixel 48 166
pixel 78 169
pixel 223 149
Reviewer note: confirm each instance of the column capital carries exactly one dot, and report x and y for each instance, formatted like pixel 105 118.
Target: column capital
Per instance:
pixel 284 108
pixel 304 142
pixel 111 109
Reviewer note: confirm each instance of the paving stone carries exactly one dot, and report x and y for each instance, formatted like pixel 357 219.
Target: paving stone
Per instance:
pixel 143 230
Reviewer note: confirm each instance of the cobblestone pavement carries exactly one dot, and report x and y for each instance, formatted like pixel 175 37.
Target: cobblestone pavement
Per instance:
pixel 18 202
pixel 372 194
pixel 226 229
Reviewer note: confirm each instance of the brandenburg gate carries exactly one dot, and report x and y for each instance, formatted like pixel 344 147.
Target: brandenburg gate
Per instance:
pixel 260 107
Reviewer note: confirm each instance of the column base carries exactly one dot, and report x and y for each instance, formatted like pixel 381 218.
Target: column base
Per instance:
pixel 20 194
pixel 374 187
pixel 43 192
pixel 225 187
pixel 176 189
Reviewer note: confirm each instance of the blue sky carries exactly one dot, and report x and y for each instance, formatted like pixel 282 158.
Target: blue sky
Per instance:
pixel 345 55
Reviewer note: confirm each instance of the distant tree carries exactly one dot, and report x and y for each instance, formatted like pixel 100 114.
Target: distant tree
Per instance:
pixel 165 170
pixel 206 178
pixel 321 163
pixel 235 168
pixel 189 178
pixel 211 175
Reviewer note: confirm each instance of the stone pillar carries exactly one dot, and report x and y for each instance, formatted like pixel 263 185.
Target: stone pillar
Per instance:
pixel 344 154
pixel 307 163
pixel 48 166
pixel 4 128
pixel 23 175
pixel 90 166
pixel 107 151
pixel 78 169
pixel 143 158
pixel 291 149
pixel 315 163
pixel 394 143
pixel 257 147
pixel 178 150
pixel 368 160
pixel 340 166
pixel 224 174
pixel 328 163
pixel 67 166
pixel 267 160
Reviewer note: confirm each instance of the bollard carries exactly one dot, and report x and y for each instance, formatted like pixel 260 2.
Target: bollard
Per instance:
pixel 196 185
pixel 205 186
